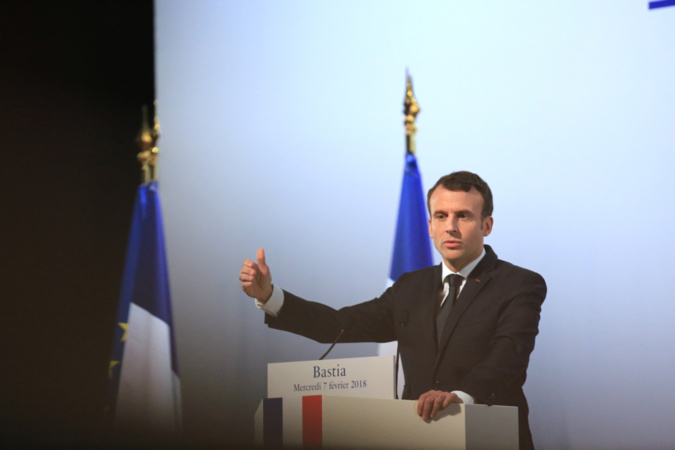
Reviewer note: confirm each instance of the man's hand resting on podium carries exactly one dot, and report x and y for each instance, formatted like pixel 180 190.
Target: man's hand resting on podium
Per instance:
pixel 256 280
pixel 430 403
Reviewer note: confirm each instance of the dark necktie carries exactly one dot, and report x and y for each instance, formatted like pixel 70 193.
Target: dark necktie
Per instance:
pixel 454 281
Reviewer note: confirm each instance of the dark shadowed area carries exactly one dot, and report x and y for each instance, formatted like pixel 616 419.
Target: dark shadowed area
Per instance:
pixel 73 78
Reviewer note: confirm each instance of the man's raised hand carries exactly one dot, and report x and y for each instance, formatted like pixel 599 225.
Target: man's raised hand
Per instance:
pixel 256 280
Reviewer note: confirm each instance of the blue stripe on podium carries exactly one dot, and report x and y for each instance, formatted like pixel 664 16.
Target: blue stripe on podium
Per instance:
pixel 273 422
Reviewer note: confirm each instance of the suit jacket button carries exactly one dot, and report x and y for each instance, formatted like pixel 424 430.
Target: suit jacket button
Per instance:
pixel 437 384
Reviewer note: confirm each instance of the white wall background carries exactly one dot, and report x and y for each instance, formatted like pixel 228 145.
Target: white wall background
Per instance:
pixel 282 128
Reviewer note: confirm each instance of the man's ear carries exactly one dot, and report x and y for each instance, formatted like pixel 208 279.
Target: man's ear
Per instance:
pixel 487 225
pixel 430 235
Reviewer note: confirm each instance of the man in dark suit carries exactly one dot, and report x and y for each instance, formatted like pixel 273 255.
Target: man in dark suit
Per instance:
pixel 465 328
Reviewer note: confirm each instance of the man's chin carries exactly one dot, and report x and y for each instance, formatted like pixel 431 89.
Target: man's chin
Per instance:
pixel 451 255
pixel 453 259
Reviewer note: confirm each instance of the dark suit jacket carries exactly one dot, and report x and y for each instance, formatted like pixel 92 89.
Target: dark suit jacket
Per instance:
pixel 486 342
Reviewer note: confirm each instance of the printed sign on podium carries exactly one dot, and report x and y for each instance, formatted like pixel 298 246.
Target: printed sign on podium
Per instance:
pixel 370 377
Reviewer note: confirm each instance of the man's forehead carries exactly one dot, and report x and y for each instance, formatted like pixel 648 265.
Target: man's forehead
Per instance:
pixel 456 200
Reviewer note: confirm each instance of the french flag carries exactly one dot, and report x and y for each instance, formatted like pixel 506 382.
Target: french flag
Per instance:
pixel 144 390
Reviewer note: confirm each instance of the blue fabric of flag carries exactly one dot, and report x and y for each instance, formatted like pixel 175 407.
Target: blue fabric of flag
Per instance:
pixel 412 246
pixel 145 282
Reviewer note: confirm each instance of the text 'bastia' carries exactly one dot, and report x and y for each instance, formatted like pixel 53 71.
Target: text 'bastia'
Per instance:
pixel 329 373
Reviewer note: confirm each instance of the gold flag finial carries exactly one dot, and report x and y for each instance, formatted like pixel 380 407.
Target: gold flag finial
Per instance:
pixel 147 141
pixel 410 110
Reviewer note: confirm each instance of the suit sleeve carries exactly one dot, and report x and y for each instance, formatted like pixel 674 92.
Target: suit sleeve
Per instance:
pixel 365 322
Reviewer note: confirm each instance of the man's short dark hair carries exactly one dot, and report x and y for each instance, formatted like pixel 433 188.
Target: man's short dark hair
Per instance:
pixel 464 181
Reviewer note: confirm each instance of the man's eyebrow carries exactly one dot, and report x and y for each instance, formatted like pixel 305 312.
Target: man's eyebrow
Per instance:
pixel 466 212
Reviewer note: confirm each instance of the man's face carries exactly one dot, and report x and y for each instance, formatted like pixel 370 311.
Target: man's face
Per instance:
pixel 456 226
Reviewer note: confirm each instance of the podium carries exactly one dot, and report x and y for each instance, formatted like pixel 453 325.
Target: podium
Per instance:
pixel 352 418
pixel 318 421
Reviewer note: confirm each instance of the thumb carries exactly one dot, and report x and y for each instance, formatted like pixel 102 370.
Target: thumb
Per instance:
pixel 260 256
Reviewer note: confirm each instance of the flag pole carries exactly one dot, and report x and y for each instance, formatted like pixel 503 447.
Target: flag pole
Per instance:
pixel 147 141
pixel 410 109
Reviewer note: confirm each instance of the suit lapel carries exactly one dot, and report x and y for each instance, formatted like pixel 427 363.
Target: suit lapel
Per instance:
pixel 476 281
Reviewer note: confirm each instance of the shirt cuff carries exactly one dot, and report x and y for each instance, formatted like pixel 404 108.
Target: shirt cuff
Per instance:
pixel 466 398
pixel 274 304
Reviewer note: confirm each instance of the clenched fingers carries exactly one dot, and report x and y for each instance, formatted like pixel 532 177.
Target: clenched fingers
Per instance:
pixel 249 271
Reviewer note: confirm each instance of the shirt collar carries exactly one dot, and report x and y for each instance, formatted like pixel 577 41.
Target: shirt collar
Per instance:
pixel 465 271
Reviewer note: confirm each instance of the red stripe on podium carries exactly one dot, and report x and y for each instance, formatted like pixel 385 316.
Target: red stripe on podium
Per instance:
pixel 311 421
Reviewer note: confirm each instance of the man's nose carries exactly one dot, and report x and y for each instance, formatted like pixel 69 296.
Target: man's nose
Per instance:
pixel 450 226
